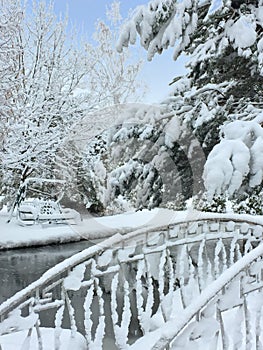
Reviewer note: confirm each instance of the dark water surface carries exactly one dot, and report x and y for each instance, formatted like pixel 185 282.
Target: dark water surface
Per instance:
pixel 20 267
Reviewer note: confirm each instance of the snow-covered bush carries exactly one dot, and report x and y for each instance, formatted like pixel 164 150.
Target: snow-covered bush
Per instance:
pixel 216 205
pixel 249 203
pixel 179 203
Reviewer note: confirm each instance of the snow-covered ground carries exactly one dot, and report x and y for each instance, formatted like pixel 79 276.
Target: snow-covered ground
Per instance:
pixel 12 235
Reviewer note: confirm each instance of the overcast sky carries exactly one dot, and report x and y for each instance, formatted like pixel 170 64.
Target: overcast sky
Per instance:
pixel 157 74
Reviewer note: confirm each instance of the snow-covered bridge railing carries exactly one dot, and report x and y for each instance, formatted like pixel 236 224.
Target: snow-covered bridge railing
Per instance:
pixel 228 314
pixel 123 289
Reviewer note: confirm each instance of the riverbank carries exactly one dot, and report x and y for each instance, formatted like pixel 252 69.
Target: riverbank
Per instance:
pixel 13 235
pixel 94 229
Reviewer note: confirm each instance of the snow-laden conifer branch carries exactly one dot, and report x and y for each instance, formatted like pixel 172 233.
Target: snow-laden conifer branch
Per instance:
pixel 218 24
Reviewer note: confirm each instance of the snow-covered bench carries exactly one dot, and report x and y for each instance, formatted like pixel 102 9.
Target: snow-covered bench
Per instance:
pixel 38 211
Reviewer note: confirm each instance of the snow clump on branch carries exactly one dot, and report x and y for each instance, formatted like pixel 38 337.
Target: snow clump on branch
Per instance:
pixel 239 154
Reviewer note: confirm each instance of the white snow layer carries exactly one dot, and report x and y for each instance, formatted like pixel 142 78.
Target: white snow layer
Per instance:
pixel 237 155
pixel 245 26
pixel 226 167
pixel 177 20
pixel 91 228
pixel 13 235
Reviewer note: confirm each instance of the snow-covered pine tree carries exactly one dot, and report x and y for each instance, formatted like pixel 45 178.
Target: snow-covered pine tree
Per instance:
pixel 224 43
pixel 147 158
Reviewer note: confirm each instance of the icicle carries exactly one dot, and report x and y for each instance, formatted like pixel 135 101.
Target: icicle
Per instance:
pixel 149 301
pixel 182 259
pixel 87 314
pixel 100 331
pixel 114 286
pixel 192 287
pixel 200 264
pixel 71 312
pixel 209 273
pixel 238 252
pixel 216 258
pixel 162 275
pixel 126 316
pixel 224 257
pixel 171 274
pixel 191 270
pixel 139 295
pixel 121 332
pixel 58 324
pixel 232 251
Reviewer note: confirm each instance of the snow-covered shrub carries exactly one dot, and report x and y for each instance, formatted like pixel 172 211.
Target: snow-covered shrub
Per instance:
pixel 251 203
pixel 92 181
pixel 178 203
pixel 216 205
pixel 139 183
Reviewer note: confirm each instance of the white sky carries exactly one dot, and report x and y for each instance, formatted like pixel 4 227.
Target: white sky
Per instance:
pixel 157 74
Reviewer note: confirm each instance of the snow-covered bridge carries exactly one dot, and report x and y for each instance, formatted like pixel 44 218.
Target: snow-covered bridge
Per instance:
pixel 191 284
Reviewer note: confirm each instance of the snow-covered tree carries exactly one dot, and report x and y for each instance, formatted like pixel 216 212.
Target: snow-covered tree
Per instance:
pixel 43 102
pixel 224 44
pixel 113 78
pixel 204 29
pixel 10 19
pixel 54 91
pixel 146 159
